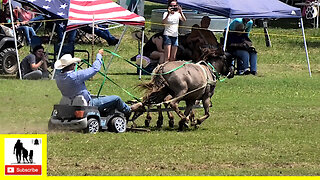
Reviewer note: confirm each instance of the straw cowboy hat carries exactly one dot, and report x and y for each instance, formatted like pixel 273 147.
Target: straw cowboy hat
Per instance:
pixel 137 35
pixel 65 61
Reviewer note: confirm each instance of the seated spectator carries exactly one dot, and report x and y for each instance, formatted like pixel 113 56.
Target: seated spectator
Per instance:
pixel 201 37
pixel 34 66
pixel 24 15
pixel 5 16
pixel 154 48
pixel 239 45
pixel 248 23
pixel 153 52
pixel 102 32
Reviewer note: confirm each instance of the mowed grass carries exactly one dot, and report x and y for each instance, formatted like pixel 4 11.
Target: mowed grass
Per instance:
pixel 259 125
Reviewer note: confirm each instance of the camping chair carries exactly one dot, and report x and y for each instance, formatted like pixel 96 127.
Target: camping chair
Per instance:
pixel 85 37
pixel 70 49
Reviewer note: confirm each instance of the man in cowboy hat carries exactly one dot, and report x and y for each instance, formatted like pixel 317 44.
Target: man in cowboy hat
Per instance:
pixel 71 83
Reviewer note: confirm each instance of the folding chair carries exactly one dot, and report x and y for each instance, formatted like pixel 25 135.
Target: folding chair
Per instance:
pixel 69 49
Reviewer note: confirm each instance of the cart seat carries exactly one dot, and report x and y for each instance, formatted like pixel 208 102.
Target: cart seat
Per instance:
pixel 76 101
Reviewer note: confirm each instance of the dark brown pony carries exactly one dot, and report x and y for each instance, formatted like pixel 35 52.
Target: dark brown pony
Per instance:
pixel 190 82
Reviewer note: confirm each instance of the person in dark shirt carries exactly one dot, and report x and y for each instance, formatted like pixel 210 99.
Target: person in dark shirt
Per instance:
pixel 34 66
pixel 201 37
pixel 154 48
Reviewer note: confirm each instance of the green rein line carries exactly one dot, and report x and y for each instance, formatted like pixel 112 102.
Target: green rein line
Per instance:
pixel 105 76
pixel 115 54
pixel 104 79
pixel 217 74
pixel 154 74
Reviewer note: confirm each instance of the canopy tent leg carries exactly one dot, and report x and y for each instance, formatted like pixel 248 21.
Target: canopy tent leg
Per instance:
pixel 305 46
pixel 141 53
pixel 15 39
pixel 116 48
pixel 266 33
pixel 54 27
pixel 226 35
pixel 60 49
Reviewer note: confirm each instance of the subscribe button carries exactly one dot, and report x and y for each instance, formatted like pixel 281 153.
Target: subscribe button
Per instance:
pixel 23 170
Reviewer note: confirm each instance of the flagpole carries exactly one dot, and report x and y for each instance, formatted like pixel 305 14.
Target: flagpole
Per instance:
pixel 15 39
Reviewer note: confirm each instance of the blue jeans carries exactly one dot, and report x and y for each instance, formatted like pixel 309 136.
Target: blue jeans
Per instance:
pixel 105 34
pixel 37 24
pixel 113 101
pixel 246 58
pixel 27 31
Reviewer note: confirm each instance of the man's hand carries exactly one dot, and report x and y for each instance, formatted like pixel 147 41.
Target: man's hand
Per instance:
pixel 101 51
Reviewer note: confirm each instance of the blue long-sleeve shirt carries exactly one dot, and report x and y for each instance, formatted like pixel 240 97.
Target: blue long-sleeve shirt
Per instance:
pixel 72 83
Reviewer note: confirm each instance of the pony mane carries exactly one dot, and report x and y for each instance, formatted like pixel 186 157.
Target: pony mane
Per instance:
pixel 210 52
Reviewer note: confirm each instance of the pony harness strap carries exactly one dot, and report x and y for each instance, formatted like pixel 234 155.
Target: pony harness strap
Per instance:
pixel 209 82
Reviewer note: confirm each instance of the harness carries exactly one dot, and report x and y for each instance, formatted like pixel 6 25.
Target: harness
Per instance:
pixel 212 72
pixel 208 83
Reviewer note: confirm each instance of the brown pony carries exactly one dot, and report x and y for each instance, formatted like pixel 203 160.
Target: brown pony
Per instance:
pixel 190 82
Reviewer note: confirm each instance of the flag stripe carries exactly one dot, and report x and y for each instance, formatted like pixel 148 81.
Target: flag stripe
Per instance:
pixel 90 3
pixel 95 7
pixel 118 18
pixel 101 11
pixel 84 11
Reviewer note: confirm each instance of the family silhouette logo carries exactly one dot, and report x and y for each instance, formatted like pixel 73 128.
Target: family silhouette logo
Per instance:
pixel 23 156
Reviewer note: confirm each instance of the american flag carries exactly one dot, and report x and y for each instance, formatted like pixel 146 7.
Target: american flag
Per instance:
pixel 82 12
pixel 56 8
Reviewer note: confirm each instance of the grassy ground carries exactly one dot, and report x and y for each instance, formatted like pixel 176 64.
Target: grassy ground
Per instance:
pixel 259 125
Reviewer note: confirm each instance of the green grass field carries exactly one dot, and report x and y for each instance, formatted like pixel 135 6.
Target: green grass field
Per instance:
pixel 259 125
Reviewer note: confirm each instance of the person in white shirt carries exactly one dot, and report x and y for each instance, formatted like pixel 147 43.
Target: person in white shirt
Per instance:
pixel 170 35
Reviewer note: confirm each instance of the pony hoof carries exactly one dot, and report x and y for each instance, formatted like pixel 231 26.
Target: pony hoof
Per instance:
pixel 134 125
pixel 147 123
pixel 171 124
pixel 183 125
pixel 159 124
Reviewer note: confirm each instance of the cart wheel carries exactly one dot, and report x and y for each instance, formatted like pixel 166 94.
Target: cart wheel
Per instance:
pixel 51 127
pixel 93 126
pixel 118 124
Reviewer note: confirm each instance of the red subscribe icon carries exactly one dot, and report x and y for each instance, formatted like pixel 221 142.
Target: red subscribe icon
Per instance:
pixel 23 170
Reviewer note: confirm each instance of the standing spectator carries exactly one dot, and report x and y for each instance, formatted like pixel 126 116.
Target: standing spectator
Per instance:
pixel 34 66
pixel 171 21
